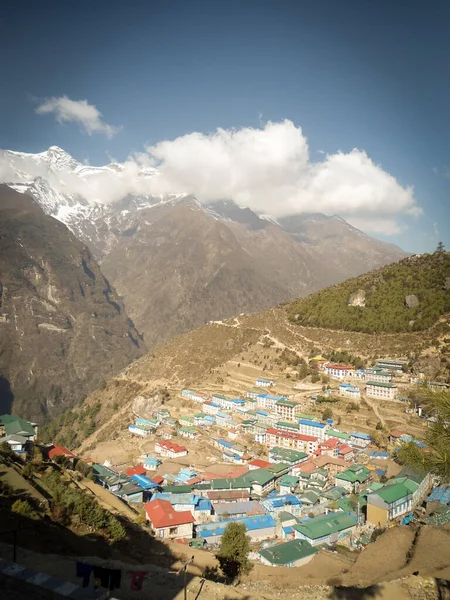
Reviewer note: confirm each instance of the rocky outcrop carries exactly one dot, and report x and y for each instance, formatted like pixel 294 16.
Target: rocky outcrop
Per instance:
pixel 358 298
pixel 63 329
pixel 412 301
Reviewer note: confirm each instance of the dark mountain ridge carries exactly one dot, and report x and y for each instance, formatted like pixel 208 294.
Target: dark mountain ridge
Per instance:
pixel 63 329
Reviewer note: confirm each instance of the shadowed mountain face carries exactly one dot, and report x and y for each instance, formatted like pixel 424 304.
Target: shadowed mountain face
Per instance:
pixel 63 329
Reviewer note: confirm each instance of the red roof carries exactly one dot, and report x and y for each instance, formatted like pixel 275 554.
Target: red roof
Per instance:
pixel 396 433
pixel 60 451
pixel 341 367
pixel 237 472
pixel 331 443
pixel 261 464
pixel 158 479
pixel 139 470
pixel 291 435
pixel 162 514
pixel 171 446
pixel 344 449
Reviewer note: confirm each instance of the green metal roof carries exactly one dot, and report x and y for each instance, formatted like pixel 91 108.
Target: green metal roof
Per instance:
pixel 392 493
pixel 19 427
pixel 289 480
pixel 287 403
pixel 188 430
pixel 354 474
pixel 289 552
pixel 287 425
pixel 258 476
pixel 278 467
pixel 338 434
pixel 324 526
pixel 287 454
pixel 178 489
pixel 381 384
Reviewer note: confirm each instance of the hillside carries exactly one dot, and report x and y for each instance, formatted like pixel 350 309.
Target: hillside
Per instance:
pixel 63 329
pixel 407 296
pixel 228 356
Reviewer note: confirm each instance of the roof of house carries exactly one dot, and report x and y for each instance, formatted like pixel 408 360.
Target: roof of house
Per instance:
pixel 392 493
pixel 381 384
pixel 291 435
pixel 335 493
pixel 312 423
pixel 14 439
pixel 340 367
pixel 275 502
pixel 251 523
pixel 18 426
pixel 162 514
pixel 129 489
pixel 355 473
pixel 324 526
pixel 284 516
pixel 277 468
pixel 338 434
pixel 287 454
pixel 396 433
pixel 325 460
pixel 138 470
pixel 61 451
pixel 227 494
pixel 251 507
pixel 257 476
pixel 157 479
pixel 258 462
pixel 289 480
pixel 287 553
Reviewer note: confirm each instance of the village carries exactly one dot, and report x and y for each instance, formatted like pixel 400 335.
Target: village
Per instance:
pixel 297 482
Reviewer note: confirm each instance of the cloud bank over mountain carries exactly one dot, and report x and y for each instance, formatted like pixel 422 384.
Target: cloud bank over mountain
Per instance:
pixel 267 169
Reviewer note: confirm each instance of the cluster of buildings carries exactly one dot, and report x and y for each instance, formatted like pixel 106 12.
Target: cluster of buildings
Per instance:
pixel 379 380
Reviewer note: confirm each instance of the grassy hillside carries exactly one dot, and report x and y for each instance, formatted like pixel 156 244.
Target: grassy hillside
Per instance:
pixel 383 298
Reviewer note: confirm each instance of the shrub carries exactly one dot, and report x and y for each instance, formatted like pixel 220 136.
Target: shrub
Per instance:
pixel 24 508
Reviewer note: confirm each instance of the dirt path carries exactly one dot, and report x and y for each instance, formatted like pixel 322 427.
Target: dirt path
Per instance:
pixel 374 407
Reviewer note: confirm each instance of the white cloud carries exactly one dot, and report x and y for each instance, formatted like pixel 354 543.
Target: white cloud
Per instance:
pixel 79 111
pixel 267 169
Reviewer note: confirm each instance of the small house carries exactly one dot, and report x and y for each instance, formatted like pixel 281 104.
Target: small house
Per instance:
pixel 166 522
pixel 295 553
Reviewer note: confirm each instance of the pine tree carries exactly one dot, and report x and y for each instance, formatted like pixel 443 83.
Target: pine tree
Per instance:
pixel 435 457
pixel 233 555
pixel 440 247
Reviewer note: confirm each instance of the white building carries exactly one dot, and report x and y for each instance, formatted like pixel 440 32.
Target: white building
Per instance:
pixel 339 371
pixel 194 396
pixel 313 428
pixel 386 391
pixel 266 383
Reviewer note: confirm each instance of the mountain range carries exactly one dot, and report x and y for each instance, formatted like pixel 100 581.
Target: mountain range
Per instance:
pixel 178 262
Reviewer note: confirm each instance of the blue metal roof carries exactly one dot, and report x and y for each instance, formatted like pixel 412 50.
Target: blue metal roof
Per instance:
pixel 225 443
pixel 440 494
pixel 281 501
pixel 252 524
pixel 144 482
pixel 311 423
pixel 270 397
pixel 358 434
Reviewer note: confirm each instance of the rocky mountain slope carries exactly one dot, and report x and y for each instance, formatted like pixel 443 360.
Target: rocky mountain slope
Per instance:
pixel 179 263
pixel 63 329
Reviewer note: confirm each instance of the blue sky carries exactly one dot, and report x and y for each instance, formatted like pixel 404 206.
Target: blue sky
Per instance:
pixel 370 75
